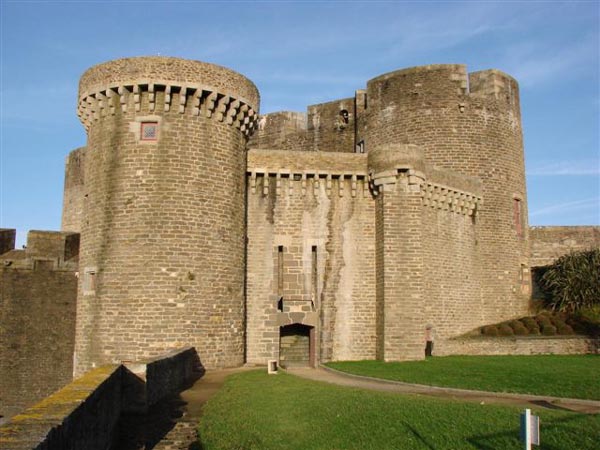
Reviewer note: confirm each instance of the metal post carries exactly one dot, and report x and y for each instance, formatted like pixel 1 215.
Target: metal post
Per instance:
pixel 527 429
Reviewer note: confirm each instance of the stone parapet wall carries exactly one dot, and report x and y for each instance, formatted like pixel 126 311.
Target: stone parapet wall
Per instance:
pixel 455 181
pixel 330 131
pixel 550 243
pixel 163 84
pixel 61 246
pixel 326 127
pixel 85 414
pixel 297 162
pixel 82 415
pixel 167 95
pixel 518 346
pixel 151 69
pixel 283 130
pixel 171 373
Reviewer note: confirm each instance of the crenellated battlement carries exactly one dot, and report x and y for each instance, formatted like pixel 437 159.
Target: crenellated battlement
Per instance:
pixel 165 84
pixel 451 199
pixel 164 96
pixel 448 79
pixel 299 173
pixel 285 121
pixel 48 250
pixel 311 180
pixel 7 240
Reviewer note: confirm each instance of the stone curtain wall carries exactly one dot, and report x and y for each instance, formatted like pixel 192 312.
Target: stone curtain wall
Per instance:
pixel 550 243
pixel 452 279
pixel 283 130
pixel 37 329
pixel 165 219
pixel 322 128
pixel 38 291
pixel 330 132
pixel 320 203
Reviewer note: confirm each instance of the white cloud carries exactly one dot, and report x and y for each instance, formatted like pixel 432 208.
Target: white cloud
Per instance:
pixel 536 63
pixel 582 167
pixel 582 205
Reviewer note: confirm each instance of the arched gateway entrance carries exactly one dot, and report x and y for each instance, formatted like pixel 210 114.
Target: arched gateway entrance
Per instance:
pixel 297 345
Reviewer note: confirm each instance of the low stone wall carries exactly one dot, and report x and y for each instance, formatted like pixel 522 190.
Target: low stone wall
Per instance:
pixel 82 415
pixel 567 345
pixel 85 414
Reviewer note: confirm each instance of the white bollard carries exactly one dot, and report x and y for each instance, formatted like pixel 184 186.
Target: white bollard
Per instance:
pixel 530 429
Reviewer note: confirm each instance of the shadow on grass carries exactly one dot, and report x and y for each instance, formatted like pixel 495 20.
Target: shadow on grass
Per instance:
pixel 419 436
pixel 547 405
pixel 490 441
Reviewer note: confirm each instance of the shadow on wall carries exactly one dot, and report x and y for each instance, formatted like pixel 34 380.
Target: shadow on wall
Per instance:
pixel 161 411
pixel 146 430
pixel 111 407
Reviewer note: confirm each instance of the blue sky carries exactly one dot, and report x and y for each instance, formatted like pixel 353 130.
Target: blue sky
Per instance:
pixel 301 53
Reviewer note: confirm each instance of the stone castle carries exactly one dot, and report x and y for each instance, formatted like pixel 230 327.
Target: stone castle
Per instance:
pixel 339 234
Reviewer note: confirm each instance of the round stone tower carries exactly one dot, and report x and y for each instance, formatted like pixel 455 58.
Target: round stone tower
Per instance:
pixel 469 124
pixel 163 231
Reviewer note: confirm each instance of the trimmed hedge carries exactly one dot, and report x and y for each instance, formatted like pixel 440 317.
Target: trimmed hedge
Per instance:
pixel 547 324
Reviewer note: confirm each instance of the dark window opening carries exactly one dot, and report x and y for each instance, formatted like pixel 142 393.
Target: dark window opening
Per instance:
pixel 518 216
pixel 344 116
pixel 314 277
pixel 280 270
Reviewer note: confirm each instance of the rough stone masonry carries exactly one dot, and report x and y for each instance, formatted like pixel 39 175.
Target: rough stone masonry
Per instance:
pixel 338 234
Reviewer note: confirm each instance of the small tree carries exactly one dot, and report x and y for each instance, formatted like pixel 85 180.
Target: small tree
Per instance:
pixel 573 281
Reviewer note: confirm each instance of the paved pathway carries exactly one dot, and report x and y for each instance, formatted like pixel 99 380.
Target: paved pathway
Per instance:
pixel 357 381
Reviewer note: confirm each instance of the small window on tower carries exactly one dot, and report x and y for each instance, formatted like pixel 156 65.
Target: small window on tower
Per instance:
pixel 149 131
pixel 89 281
pixel 518 216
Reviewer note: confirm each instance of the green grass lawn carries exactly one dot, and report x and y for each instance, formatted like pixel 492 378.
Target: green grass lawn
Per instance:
pixel 254 410
pixel 575 376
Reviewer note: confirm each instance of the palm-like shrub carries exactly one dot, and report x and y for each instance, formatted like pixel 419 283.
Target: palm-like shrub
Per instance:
pixel 573 281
